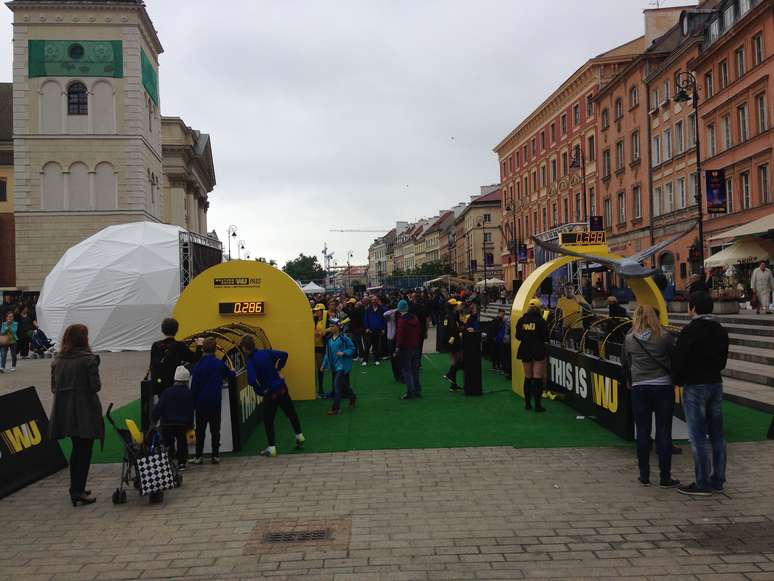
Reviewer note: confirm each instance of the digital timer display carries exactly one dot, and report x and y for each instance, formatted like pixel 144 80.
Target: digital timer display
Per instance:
pixel 241 308
pixel 582 238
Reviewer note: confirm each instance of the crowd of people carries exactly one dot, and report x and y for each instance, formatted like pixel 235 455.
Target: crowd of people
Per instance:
pixel 20 336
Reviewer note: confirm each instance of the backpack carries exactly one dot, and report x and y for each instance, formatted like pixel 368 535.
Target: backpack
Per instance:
pixel 164 362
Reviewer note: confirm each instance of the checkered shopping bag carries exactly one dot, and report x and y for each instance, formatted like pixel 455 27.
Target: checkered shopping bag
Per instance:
pixel 155 473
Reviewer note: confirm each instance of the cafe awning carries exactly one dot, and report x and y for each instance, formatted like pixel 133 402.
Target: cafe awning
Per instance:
pixel 745 251
pixel 758 227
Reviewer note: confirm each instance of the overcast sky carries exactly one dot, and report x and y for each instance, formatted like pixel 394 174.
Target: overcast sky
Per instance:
pixel 355 114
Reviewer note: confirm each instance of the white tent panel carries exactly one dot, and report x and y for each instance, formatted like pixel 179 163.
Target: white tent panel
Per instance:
pixel 120 283
pixel 745 251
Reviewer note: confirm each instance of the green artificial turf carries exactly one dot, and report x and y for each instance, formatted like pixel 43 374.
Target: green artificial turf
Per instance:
pixel 439 420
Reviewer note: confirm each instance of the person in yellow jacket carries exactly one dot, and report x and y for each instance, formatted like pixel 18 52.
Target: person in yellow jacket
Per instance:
pixel 320 327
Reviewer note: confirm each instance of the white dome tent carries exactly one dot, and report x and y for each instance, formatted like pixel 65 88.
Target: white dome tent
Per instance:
pixel 121 283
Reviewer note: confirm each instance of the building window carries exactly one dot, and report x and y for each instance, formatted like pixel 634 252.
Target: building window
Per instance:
pixel 578 206
pixel 534 180
pixel 634 97
pixel 670 197
pixel 728 17
pixel 655 98
pixel 757 45
pixel 764 184
pixel 619 155
pixel 576 115
pixel 657 202
pixel 743 127
pixel 656 150
pixel 621 208
pixel 564 164
pixel 591 150
pixel 681 193
pixel 589 105
pixel 3 190
pixel 635 145
pixel 487 237
pixel 553 170
pixel 714 30
pixel 745 180
pixel 667 92
pixel 723 73
pixel 553 132
pixel 605 119
pixel 487 218
pixel 679 137
pixel 592 202
pixel 740 62
pixel 534 147
pixel 726 128
pixel 606 163
pixel 543 175
pixel 637 202
pixel 77 99
pixel 729 195
pixel 744 6
pixel 563 123
pixel 543 140
pixel 608 214
pixel 554 215
pixel 760 107
pixel 691 138
pixel 709 86
pixel 712 146
pixel 566 206
pixel 667 144
pixel 693 187
pixel 618 108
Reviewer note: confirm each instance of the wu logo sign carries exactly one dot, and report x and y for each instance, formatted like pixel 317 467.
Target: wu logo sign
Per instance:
pixel 19 438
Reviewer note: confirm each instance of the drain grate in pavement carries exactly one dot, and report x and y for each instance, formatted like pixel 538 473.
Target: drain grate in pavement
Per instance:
pixel 297 536
pixel 294 534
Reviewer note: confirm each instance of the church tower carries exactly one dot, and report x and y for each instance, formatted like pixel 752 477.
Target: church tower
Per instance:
pixel 86 125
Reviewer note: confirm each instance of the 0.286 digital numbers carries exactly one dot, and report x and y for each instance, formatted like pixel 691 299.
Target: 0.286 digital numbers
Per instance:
pixel 241 308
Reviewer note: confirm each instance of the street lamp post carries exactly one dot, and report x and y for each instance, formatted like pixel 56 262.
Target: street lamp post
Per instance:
pixel 483 248
pixel 240 248
pixel 686 82
pixel 232 232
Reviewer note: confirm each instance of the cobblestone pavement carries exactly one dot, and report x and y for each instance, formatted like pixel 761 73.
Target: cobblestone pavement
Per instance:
pixel 469 513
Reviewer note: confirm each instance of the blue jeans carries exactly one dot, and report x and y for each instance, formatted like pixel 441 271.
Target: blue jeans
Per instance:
pixel 409 360
pixel 646 401
pixel 341 388
pixel 704 416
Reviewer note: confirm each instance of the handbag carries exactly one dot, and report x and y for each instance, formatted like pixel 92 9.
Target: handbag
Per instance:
pixel 155 473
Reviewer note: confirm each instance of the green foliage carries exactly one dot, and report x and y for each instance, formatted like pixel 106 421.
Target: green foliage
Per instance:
pixel 304 268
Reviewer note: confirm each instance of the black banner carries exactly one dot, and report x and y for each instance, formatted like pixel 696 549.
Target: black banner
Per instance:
pixel 26 453
pixel 592 386
pixel 716 191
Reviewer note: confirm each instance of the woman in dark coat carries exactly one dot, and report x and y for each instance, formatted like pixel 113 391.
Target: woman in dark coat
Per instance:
pixel 532 332
pixel 77 411
pixel 452 341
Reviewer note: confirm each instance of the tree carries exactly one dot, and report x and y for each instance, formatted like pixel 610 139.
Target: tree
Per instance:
pixel 304 268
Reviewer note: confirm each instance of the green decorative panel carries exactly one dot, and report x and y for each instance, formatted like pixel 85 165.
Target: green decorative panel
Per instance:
pixel 150 78
pixel 76 58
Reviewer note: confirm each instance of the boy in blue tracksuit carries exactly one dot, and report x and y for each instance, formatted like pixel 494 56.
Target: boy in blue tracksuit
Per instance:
pixel 375 331
pixel 206 391
pixel 339 352
pixel 263 366
pixel 176 413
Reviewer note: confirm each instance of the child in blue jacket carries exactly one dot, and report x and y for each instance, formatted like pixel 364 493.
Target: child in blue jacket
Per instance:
pixel 176 413
pixel 206 391
pixel 339 352
pixel 263 366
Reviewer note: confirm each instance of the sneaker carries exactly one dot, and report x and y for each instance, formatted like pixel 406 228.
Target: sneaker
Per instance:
pixel 300 441
pixel 406 396
pixel 693 490
pixel 334 412
pixel 671 483
pixel 2 370
pixel 215 460
pixel 269 452
pixel 716 487
pixel 181 468
pixel 364 363
pixel 353 403
pixel 377 363
pixel 13 368
pixel 539 409
pixel 455 388
pixel 196 461
pixel 642 481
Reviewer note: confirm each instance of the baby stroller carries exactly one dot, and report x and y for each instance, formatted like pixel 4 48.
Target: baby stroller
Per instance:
pixel 40 345
pixel 145 465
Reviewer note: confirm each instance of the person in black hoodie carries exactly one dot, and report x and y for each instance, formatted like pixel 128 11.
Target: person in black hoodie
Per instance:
pixel 700 356
pixel 166 355
pixel 451 333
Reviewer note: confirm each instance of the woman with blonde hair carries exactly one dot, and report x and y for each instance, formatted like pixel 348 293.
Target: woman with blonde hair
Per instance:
pixel 77 412
pixel 646 359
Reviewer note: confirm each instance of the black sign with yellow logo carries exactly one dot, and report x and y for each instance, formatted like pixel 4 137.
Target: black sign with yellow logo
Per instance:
pixel 592 386
pixel 26 453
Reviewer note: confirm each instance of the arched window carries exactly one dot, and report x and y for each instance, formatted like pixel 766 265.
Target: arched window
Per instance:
pixel 77 99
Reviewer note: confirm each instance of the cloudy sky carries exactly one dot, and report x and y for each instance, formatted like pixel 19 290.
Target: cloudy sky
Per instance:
pixel 353 114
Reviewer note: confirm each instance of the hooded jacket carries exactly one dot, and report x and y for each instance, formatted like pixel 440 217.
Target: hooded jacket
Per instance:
pixel 408 333
pixel 374 320
pixel 340 344
pixel 76 411
pixel 701 352
pixel 645 369
pixel 175 406
pixel 263 367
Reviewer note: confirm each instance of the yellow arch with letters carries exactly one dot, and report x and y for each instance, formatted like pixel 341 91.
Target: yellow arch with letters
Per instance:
pixel 285 318
pixel 645 291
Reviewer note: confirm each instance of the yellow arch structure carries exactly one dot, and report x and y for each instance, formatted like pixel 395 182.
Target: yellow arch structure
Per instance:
pixel 285 315
pixel 645 292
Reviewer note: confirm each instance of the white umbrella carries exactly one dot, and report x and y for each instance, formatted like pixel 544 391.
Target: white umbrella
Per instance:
pixel 745 251
pixel 311 288
pixel 491 282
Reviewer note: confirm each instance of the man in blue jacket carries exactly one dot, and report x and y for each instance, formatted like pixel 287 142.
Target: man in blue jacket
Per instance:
pixel 206 391
pixel 339 352
pixel 375 331
pixel 263 366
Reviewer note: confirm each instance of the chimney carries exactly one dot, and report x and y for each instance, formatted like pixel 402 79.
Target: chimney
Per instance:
pixel 659 20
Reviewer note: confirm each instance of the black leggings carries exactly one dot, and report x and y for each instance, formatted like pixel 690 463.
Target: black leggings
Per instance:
pixel 80 462
pixel 270 404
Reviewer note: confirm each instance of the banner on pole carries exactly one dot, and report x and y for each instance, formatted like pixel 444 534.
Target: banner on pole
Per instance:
pixel 26 453
pixel 716 191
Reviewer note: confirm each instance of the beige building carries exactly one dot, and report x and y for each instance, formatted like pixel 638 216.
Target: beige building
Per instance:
pixel 88 131
pixel 479 236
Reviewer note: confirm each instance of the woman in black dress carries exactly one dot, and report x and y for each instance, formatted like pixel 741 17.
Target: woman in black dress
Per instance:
pixel 532 332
